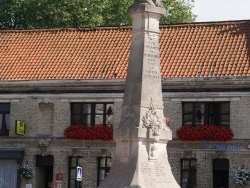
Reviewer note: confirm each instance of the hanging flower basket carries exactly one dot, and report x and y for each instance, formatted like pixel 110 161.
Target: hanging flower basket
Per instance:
pixel 94 132
pixel 241 176
pixel 204 132
pixel 25 171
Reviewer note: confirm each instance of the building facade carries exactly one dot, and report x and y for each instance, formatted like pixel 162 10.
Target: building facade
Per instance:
pixel 52 79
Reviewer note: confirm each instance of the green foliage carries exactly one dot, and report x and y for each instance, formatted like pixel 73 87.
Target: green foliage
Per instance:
pixel 178 11
pixel 25 171
pixel 80 13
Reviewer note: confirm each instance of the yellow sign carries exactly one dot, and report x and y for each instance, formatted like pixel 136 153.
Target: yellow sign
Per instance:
pixel 20 127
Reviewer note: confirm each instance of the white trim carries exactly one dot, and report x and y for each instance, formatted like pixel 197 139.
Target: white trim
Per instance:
pixel 65 97
pixel 91 100
pixel 8 100
pixel 205 94
pixel 205 99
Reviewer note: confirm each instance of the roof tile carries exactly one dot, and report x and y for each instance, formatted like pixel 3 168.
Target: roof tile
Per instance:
pixel 187 50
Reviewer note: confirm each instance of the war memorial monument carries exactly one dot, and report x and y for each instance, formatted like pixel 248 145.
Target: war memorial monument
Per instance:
pixel 141 159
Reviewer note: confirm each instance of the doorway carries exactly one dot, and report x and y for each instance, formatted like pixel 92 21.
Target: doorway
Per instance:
pixel 45 170
pixel 220 173
pixel 48 176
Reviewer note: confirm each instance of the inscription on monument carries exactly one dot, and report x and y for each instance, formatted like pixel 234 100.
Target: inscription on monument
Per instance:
pixel 146 171
pixel 156 172
pixel 160 172
pixel 152 57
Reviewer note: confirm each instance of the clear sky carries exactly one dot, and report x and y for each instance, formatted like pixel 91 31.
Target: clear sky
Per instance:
pixel 221 10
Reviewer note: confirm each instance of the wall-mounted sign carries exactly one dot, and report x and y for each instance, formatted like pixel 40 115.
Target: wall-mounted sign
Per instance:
pixel 28 186
pixel 20 127
pixel 59 177
pixel 78 173
pixel 54 185
pixel 219 146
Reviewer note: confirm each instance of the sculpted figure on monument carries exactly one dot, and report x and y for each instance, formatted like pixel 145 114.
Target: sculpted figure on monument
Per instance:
pixel 151 120
pixel 155 3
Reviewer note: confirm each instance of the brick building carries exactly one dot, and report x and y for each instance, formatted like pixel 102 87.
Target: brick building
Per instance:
pixel 53 78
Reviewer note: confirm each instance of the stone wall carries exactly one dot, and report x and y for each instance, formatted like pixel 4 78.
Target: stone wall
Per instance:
pixel 26 110
pixel 173 110
pixel 51 116
pixel 239 115
pixel 205 164
pixel 42 119
pixel 240 119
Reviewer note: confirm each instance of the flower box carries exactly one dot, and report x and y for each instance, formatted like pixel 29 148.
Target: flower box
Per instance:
pixel 204 132
pixel 93 132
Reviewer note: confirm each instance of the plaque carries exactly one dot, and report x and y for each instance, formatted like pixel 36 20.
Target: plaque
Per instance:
pixel 20 127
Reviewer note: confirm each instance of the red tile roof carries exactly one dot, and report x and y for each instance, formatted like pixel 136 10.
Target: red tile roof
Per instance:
pixel 219 49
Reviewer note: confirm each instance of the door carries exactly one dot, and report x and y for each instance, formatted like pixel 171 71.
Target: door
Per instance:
pixel 8 173
pixel 48 176
pixel 45 170
pixel 220 173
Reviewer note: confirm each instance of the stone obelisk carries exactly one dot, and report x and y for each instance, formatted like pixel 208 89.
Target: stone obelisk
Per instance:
pixel 141 159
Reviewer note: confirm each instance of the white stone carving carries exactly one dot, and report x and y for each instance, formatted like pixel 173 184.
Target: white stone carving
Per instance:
pixel 151 120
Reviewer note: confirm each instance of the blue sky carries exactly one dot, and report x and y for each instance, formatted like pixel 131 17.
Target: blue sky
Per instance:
pixel 221 10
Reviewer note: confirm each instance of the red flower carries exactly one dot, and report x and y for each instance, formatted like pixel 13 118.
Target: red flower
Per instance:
pixel 204 132
pixel 93 132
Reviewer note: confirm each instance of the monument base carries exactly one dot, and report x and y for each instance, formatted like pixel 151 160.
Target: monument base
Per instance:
pixel 140 164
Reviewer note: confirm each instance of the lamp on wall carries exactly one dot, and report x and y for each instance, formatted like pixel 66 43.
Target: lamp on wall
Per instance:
pixel 43 143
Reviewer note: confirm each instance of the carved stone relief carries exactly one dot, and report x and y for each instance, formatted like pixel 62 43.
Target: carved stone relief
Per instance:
pixel 151 120
pixel 152 123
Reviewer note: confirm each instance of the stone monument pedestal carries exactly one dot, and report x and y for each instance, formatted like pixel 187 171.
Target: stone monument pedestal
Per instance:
pixel 141 159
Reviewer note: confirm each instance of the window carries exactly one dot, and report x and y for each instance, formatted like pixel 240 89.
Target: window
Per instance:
pixel 206 113
pixel 91 113
pixel 73 163
pixel 188 173
pixel 104 165
pixel 4 119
